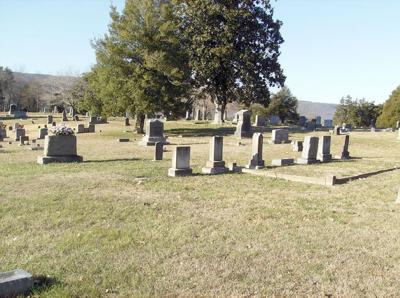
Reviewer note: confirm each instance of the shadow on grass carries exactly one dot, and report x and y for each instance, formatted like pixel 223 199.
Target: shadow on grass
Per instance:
pixel 111 160
pixel 201 132
pixel 41 283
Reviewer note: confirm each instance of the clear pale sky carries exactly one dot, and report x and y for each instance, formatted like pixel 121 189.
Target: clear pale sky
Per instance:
pixel 332 48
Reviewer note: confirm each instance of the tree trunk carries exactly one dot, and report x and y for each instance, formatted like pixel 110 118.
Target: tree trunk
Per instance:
pixel 139 125
pixel 219 113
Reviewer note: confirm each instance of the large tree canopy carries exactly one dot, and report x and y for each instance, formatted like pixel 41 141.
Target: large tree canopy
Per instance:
pixel 234 49
pixel 284 104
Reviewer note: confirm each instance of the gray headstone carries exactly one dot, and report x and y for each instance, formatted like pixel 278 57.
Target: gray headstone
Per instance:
pixel 310 149
pixel 15 283
pixel 126 121
pixel 302 121
pixel 158 151
pixel 49 119
pixel 256 161
pixel 215 164
pixel 243 127
pixel 260 121
pixel 64 116
pixel 345 149
pixel 180 162
pixel 279 136
pixel 42 132
pixel 324 149
pixel 154 133
pixel 80 128
pixel 19 132
pixel 197 115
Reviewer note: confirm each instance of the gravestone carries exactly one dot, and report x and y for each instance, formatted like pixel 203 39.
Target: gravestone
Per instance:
pixel 19 132
pixel 310 149
pixel 154 133
pixel 180 162
pixel 302 121
pixel 282 162
pixel 235 119
pixel 324 149
pixel 54 123
pixel 297 146
pixel 318 121
pixel 80 128
pixel 274 120
pixel 42 132
pixel 64 115
pixel 197 115
pixel 55 109
pixel 126 121
pixel 59 148
pixel 16 126
pixel 3 131
pixel 23 139
pixel 215 163
pixel 243 127
pixel 256 161
pixel 345 154
pixel 187 117
pixel 397 124
pixel 328 123
pixel 15 112
pixel 49 119
pixel 260 121
pixel 76 117
pixel 91 128
pixel 158 151
pixel 337 130
pixel 279 136
pixel 217 115
pixel 311 125
pixel 15 283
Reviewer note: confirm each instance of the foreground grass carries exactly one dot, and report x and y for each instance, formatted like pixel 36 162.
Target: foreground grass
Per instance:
pixel 117 226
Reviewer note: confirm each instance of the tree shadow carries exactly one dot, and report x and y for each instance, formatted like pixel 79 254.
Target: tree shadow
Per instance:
pixel 201 132
pixel 41 283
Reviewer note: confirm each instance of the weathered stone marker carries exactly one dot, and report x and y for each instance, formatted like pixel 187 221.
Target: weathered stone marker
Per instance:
pixel 158 151
pixel 80 128
pixel 216 164
pixel 310 149
pixel 59 149
pixel 297 146
pixel 324 149
pixel 19 132
pixel 64 116
pixel 243 127
pixel 345 150
pixel 180 162
pixel 197 116
pixel 15 283
pixel 42 132
pixel 260 121
pixel 154 133
pixel 279 136
pixel 256 161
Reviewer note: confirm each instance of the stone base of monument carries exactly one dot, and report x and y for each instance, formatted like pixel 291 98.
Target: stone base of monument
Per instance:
pixel 214 168
pixel 43 160
pixel 15 283
pixel 151 141
pixel 179 172
pixel 282 162
pixel 306 161
pixel 324 157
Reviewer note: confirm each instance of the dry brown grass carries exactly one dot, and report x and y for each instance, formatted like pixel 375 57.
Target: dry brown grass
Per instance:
pixel 99 229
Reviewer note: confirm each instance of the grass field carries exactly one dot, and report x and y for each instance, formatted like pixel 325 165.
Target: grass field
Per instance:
pixel 117 226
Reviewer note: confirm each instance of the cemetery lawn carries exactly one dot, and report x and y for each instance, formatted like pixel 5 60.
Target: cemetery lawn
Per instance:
pixel 117 226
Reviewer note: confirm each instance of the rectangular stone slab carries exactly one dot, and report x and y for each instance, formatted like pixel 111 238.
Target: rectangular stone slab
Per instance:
pixel 15 282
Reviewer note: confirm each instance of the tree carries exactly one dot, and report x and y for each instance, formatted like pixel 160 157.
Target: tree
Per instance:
pixel 142 66
pixel 283 104
pixel 391 110
pixel 6 87
pixel 233 48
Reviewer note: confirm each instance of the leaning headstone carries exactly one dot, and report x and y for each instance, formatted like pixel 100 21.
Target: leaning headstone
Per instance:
pixel 64 116
pixel 279 136
pixel 42 132
pixel 215 164
pixel 260 121
pixel 15 283
pixel 126 121
pixel 345 149
pixel 310 149
pixel 49 119
pixel 154 133
pixel 324 149
pixel 19 132
pixel 158 151
pixel 59 148
pixel 180 162
pixel 297 146
pixel 243 127
pixel 256 161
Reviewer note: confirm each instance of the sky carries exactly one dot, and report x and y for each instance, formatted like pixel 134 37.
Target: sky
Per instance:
pixel 332 48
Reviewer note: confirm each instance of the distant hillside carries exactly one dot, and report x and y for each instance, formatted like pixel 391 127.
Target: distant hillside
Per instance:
pixel 312 109
pixel 49 84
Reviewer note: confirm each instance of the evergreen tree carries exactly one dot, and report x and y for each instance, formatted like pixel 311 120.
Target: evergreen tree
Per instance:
pixel 284 105
pixel 142 66
pixel 391 110
pixel 234 49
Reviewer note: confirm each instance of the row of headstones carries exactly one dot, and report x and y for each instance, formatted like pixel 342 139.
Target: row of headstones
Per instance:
pixel 314 149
